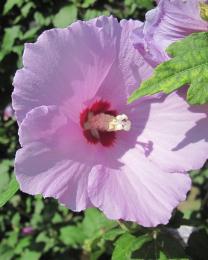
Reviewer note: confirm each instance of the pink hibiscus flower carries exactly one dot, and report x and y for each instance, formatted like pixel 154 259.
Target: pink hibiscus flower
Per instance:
pixel 170 21
pixel 81 142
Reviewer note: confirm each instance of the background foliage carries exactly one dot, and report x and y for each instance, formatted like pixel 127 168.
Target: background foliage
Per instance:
pixel 32 228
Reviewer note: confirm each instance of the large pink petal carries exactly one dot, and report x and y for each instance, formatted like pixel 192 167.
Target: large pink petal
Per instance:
pixel 138 190
pixel 65 65
pixel 128 70
pixel 53 159
pixel 176 132
pixel 41 123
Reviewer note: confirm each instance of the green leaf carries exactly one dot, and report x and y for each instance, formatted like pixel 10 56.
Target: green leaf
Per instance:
pixel 199 177
pixel 41 20
pixel 6 252
pixel 4 174
pixel 10 35
pixel 162 256
pixel 22 243
pixel 127 244
pixel 37 215
pixel 10 4
pixel 94 226
pixel 18 49
pixel 95 255
pixel 87 3
pixel 189 65
pixel 72 235
pixel 95 223
pixel 66 16
pixel 148 4
pixel 44 238
pixel 15 221
pixel 26 9
pixel 30 34
pixel 12 238
pixel 4 181
pixel 112 234
pixel 32 255
pixel 92 13
pixel 13 187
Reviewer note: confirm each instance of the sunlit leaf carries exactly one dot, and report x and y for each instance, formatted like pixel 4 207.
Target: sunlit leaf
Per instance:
pixel 10 35
pixel 72 235
pixel 96 223
pixel 162 256
pixel 127 244
pixel 31 255
pixel 88 3
pixel 66 16
pixel 92 13
pixel 4 174
pixel 112 234
pixel 10 4
pixel 13 187
pixel 31 33
pixel 188 66
pixel 26 8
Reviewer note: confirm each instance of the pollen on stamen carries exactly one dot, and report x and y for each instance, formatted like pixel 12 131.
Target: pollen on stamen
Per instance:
pixel 100 123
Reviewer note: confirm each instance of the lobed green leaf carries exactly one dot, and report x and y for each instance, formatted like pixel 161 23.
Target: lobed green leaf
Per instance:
pixel 189 65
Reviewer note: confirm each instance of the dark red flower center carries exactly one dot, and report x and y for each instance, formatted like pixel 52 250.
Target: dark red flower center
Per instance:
pixel 98 135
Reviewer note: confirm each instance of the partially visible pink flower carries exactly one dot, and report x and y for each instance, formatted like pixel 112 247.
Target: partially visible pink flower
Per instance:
pixel 8 113
pixel 81 142
pixel 170 21
pixel 27 231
